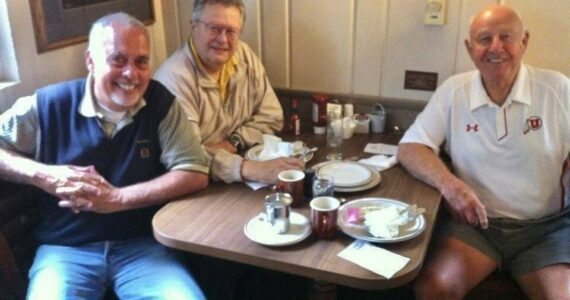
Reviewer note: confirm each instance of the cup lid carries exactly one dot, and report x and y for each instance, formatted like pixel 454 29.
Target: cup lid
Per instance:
pixel 279 197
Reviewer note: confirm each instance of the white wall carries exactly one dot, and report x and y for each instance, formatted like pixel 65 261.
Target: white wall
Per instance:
pixel 57 65
pixel 346 46
pixel 365 46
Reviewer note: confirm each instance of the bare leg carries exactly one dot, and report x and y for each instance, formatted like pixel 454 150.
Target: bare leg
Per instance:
pixel 552 282
pixel 451 270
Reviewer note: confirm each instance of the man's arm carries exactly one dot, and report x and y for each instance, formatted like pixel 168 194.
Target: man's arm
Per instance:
pixel 267 119
pixel 424 164
pixel 108 199
pixel 52 179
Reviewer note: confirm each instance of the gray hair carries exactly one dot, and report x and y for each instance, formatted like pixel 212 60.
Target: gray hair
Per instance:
pixel 121 18
pixel 200 4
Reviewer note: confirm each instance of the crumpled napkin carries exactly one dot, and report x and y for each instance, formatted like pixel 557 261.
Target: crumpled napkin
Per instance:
pixel 274 147
pixel 386 222
pixel 270 147
pixel 380 162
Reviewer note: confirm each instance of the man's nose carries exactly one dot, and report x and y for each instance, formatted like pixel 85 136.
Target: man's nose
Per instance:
pixel 128 70
pixel 223 36
pixel 496 44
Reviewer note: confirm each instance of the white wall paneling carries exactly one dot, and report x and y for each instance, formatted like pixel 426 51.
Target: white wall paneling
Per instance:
pixel 413 46
pixel 337 46
pixel 369 41
pixel 548 22
pixel 276 46
pixel 322 45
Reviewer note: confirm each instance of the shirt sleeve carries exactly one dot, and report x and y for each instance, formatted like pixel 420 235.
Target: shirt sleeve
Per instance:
pixel 19 127
pixel 181 149
pixel 268 118
pixel 431 125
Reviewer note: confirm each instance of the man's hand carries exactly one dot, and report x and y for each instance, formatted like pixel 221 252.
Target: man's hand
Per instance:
pixel 50 178
pixel 79 188
pixel 464 204
pixel 100 197
pixel 266 171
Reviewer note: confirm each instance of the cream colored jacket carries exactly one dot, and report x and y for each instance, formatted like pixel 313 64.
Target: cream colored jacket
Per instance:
pixel 251 110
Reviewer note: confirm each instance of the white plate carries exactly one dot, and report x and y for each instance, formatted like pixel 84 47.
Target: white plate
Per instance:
pixel 346 173
pixel 261 232
pixel 408 231
pixel 375 179
pixel 253 153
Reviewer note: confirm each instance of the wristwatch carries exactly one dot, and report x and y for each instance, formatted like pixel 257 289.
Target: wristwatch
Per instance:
pixel 235 140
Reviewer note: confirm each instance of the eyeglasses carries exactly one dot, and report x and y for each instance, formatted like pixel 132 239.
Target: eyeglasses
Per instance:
pixel 215 30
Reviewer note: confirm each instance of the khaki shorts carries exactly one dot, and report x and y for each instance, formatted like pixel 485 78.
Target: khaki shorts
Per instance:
pixel 518 246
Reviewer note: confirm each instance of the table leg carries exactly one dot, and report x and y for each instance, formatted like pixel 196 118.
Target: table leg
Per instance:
pixel 322 290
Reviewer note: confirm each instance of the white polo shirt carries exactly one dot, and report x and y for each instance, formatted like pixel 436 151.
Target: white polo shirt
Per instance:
pixel 515 156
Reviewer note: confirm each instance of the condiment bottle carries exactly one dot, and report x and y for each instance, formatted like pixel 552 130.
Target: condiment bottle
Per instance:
pixel 295 120
pixel 319 113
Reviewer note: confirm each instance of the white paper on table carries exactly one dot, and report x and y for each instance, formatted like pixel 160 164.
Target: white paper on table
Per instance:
pixel 256 185
pixel 381 148
pixel 380 162
pixel 375 259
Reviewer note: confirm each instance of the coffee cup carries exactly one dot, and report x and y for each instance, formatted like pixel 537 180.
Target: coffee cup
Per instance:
pixel 324 213
pixel 291 182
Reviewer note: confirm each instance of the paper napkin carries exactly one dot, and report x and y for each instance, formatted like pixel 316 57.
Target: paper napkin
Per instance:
pixel 375 259
pixel 380 148
pixel 255 185
pixel 380 162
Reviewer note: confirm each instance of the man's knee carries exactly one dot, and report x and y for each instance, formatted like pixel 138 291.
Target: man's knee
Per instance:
pixel 433 285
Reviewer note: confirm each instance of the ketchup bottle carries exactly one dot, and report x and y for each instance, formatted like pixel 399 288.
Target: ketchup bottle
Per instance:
pixel 320 113
pixel 295 120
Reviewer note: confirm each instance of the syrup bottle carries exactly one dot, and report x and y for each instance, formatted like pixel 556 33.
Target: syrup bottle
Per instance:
pixel 320 113
pixel 295 120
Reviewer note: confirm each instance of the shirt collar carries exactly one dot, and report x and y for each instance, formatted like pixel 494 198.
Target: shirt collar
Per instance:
pixel 520 91
pixel 230 66
pixel 89 107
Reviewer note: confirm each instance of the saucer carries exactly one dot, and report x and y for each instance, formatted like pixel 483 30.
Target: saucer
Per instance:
pixel 261 232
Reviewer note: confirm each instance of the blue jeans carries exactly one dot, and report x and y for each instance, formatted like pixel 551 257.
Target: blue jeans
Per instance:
pixel 136 269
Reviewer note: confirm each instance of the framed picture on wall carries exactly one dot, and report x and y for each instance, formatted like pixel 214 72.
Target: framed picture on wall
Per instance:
pixel 60 23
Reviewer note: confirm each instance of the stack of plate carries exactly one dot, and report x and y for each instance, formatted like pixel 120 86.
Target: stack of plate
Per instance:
pixel 349 176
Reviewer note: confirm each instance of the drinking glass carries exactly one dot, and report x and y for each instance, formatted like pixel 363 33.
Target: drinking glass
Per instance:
pixel 323 185
pixel 334 135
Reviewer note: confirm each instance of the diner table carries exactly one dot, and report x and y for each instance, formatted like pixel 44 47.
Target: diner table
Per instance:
pixel 211 222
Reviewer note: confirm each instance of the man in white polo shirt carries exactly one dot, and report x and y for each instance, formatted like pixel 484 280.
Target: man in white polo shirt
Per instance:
pixel 506 128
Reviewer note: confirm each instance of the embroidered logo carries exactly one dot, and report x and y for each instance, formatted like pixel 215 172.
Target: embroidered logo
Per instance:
pixel 474 127
pixel 532 123
pixel 145 152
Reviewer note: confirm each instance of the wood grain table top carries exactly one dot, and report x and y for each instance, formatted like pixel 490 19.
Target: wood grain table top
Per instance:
pixel 212 221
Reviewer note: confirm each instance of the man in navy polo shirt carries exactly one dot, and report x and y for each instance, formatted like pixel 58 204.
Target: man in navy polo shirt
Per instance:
pixel 108 151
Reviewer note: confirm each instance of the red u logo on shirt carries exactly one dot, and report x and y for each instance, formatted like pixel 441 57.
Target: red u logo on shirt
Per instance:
pixel 532 123
pixel 472 127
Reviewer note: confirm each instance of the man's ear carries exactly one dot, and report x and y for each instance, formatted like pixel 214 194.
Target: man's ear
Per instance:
pixel 467 45
pixel 89 61
pixel 526 37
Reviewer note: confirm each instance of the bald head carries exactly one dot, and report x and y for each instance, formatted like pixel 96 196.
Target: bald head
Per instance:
pixel 495 15
pixel 496 44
